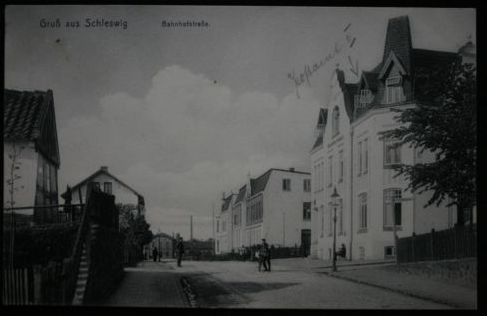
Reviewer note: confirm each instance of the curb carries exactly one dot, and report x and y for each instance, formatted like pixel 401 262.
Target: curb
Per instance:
pixel 188 291
pixel 358 264
pixel 404 292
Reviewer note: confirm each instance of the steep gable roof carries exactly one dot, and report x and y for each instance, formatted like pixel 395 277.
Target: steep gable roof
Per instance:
pixel 30 116
pixel 392 59
pixel 258 185
pixel 371 79
pixel 322 117
pixel 348 90
pixel 398 40
pixel 241 194
pixel 226 202
pixel 104 170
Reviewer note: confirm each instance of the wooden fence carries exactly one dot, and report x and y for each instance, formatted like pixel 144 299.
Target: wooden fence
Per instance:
pixel 18 286
pixel 457 242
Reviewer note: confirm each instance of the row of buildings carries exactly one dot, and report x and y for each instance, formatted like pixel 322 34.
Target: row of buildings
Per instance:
pixel 275 206
pixel 351 157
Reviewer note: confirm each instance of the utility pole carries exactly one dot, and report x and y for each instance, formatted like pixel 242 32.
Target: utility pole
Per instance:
pixel 191 227
pixel 284 229
pixel 213 226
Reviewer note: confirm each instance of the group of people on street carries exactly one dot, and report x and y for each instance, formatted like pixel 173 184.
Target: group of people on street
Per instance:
pixel 263 256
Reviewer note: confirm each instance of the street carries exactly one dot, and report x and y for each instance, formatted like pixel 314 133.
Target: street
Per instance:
pixel 231 284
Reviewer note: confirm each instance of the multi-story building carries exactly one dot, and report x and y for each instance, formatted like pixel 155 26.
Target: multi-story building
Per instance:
pixel 275 206
pixel 351 155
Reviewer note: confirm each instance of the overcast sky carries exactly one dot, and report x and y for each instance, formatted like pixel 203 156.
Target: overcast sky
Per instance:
pixel 182 114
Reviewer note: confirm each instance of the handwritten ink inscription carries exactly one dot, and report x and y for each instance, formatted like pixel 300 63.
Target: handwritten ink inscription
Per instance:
pixel 308 70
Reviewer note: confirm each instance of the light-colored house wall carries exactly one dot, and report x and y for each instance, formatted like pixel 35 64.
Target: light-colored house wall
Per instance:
pixel 26 185
pixel 283 210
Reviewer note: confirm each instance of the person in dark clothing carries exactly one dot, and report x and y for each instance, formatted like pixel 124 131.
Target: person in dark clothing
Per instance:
pixel 266 251
pixel 180 250
pixel 154 254
pixel 342 252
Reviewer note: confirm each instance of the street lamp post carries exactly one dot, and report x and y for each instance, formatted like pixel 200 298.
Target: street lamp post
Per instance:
pixel 334 202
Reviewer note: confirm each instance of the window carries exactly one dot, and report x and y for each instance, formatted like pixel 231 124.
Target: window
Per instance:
pixel 392 207
pixel 363 211
pixel 307 185
pixel 237 216
pixel 392 153
pixel 107 187
pixel 394 91
pixel 340 178
pixel 361 253
pixel 217 226
pixel 322 175
pixel 366 155
pixel 307 211
pixel 224 226
pixel 359 158
pixel 322 211
pixel 255 210
pixel 335 121
pixel 97 185
pixel 365 97
pixel 286 184
pixel 330 171
pixel 389 252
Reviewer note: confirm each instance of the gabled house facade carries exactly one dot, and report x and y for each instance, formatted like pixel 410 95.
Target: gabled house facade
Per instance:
pixel 224 225
pixel 108 183
pixel 275 206
pixel 30 138
pixel 373 204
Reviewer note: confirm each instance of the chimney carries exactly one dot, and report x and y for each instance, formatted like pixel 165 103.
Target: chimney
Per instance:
pixel 291 169
pixel 104 168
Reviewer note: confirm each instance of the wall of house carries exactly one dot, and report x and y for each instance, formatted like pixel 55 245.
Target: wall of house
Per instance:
pixel 283 210
pixel 414 215
pixel 332 146
pixel 238 230
pixel 26 185
pixel 317 202
pixel 122 194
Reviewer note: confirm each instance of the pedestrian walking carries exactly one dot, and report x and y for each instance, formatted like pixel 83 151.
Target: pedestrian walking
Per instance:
pixel 259 257
pixel 154 254
pixel 266 255
pixel 180 250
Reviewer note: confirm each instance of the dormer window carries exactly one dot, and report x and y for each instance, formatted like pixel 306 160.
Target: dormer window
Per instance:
pixel 394 92
pixel 335 121
pixel 365 97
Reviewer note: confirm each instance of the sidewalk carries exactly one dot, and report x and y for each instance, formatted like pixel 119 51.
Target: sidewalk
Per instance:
pixel 375 273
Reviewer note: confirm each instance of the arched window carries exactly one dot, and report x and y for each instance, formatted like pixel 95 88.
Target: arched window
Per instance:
pixel 335 121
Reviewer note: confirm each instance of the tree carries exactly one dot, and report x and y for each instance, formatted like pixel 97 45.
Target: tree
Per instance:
pixel 445 124
pixel 133 226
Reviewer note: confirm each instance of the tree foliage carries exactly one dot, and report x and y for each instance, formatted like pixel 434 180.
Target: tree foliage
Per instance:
pixel 444 123
pixel 133 226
